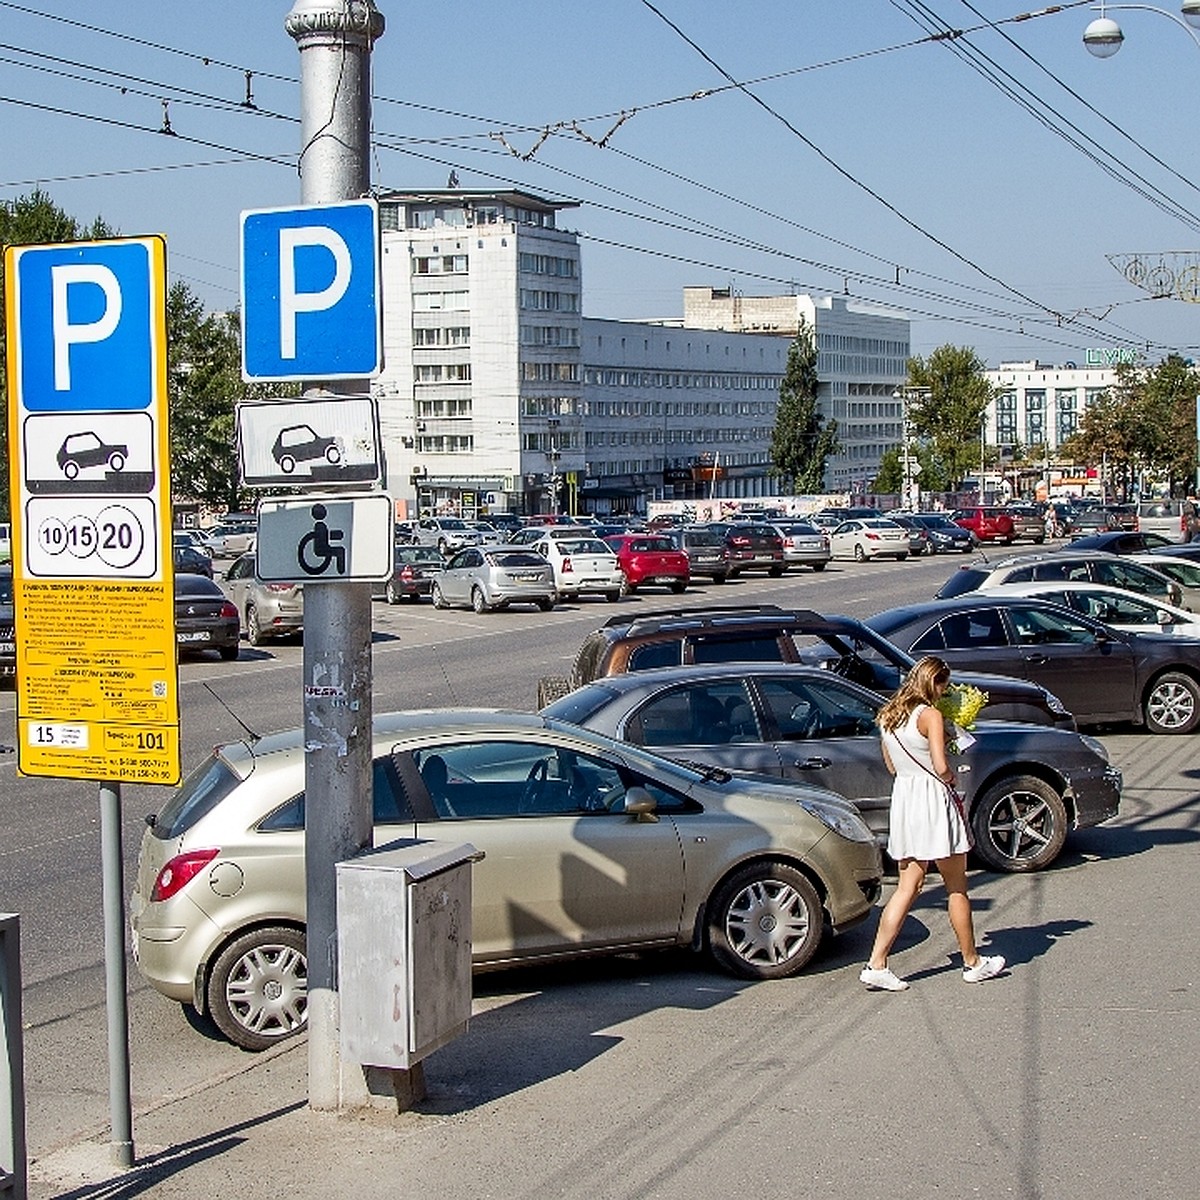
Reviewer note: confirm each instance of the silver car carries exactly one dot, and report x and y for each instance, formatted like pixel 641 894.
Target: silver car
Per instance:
pixel 591 847
pixel 446 533
pixel 805 544
pixel 488 577
pixel 266 610
pixel 228 541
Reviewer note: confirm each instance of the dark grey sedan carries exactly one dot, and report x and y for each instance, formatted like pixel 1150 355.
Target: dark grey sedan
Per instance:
pixel 1101 674
pixel 1024 786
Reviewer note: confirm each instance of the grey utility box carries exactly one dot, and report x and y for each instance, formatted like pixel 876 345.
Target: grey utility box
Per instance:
pixel 404 950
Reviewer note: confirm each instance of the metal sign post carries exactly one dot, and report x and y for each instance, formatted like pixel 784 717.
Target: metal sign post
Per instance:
pixel 90 481
pixel 335 42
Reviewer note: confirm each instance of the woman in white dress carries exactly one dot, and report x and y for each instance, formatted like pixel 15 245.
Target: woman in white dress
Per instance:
pixel 926 823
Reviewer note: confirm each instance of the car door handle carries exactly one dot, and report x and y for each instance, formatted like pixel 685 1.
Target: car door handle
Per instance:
pixel 1036 658
pixel 812 764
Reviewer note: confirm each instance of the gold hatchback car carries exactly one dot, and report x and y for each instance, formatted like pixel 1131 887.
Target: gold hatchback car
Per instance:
pixel 591 846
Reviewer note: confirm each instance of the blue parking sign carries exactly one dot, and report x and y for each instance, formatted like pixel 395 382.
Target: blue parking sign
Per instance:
pixel 85 324
pixel 311 292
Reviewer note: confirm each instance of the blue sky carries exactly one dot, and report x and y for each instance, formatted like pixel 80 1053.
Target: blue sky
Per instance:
pixel 875 155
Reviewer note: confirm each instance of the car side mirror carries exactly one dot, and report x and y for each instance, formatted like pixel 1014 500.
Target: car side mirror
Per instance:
pixel 641 804
pixel 1163 617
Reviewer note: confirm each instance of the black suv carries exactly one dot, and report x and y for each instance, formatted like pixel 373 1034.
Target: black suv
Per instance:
pixel 767 633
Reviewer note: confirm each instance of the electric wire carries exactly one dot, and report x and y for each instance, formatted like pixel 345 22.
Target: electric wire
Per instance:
pixel 732 84
pixel 1049 117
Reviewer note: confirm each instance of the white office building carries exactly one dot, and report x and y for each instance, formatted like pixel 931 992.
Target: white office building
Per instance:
pixel 1038 404
pixel 498 394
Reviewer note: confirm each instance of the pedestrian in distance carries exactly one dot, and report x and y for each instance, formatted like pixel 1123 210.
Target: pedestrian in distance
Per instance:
pixel 927 824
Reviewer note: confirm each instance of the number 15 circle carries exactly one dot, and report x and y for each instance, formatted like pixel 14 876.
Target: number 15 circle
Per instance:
pixel 115 536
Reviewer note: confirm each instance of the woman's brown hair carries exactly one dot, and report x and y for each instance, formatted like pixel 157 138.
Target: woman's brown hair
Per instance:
pixel 922 685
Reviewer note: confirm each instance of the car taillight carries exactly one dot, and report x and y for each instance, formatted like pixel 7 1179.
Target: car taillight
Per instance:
pixel 872 537
pixel 228 611
pixel 566 565
pixel 280 587
pixel 179 871
pixel 406 572
pixel 739 541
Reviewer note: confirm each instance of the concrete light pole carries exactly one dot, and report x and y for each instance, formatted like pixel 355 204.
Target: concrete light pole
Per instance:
pixel 335 39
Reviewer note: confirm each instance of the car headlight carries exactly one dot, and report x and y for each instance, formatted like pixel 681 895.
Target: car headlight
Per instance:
pixel 1095 745
pixel 1056 705
pixel 848 824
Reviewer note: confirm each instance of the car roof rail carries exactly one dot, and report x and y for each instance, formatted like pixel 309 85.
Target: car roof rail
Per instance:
pixel 713 617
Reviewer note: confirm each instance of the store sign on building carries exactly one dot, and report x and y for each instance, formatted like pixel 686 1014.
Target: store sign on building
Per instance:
pixel 1111 356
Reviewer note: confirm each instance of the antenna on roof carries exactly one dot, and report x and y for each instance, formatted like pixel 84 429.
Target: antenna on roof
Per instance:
pixel 254 737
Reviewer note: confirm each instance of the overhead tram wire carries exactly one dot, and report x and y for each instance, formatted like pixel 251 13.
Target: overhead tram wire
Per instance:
pixel 1038 317
pixel 692 96
pixel 733 84
pixel 277 160
pixel 1135 340
pixel 1046 115
pixel 1087 104
pixel 829 160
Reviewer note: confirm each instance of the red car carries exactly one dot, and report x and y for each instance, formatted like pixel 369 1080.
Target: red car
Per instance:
pixel 650 558
pixel 986 523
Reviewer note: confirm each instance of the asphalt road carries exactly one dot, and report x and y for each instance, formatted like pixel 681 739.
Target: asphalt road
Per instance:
pixel 1093 1036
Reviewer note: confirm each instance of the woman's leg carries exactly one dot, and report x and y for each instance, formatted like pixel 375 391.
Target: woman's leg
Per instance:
pixel 953 871
pixel 908 888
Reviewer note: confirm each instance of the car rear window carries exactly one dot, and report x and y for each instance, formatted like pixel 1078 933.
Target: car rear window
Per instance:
pixel 965 579
pixel 517 558
pixel 1160 508
pixel 195 797
pixel 736 649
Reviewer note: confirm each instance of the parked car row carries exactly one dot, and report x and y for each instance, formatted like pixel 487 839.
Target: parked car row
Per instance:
pixel 670 723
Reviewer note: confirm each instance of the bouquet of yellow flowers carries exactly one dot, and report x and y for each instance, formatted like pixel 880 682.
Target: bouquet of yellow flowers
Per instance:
pixel 960 705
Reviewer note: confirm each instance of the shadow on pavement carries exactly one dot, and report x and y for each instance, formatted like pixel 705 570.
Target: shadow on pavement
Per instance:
pixel 157 1168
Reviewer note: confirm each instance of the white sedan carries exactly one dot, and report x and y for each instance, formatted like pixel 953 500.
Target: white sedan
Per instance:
pixel 581 565
pixel 1133 612
pixel 869 537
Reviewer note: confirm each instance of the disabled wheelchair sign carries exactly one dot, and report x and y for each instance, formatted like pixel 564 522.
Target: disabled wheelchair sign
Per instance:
pixel 313 539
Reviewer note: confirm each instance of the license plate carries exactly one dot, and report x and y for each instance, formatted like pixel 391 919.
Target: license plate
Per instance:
pixel 200 635
pixel 665 579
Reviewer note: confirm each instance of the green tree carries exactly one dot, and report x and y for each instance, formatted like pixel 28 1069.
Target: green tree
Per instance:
pixel 802 440
pixel 948 396
pixel 1144 424
pixel 203 386
pixel 890 478
pixel 30 221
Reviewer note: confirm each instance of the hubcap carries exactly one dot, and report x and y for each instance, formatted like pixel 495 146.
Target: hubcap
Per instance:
pixel 1171 706
pixel 267 990
pixel 767 922
pixel 1021 825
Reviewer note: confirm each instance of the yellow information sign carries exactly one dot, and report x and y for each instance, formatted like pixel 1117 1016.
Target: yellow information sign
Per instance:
pixel 97 680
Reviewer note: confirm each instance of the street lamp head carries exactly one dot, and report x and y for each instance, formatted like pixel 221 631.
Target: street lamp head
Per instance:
pixel 1191 12
pixel 1103 37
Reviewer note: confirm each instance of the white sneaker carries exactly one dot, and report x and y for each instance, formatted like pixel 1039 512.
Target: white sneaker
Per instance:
pixel 985 968
pixel 885 979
